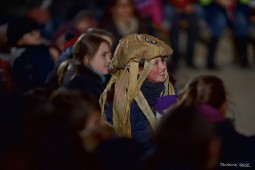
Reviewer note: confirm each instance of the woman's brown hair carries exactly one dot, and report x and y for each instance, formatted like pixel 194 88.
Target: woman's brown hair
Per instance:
pixel 207 89
pixel 87 45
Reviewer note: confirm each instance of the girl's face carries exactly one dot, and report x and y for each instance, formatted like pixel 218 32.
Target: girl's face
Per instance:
pixel 101 59
pixel 158 71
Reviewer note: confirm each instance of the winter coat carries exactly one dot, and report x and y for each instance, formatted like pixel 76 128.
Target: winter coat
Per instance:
pixel 86 80
pixel 236 147
pixel 31 68
pixel 141 129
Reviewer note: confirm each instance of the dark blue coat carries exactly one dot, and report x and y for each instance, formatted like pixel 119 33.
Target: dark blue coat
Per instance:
pixel 52 80
pixel 32 67
pixel 141 129
pixel 236 148
pixel 86 80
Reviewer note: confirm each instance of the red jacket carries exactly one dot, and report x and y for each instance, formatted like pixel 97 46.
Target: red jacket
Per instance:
pixel 181 3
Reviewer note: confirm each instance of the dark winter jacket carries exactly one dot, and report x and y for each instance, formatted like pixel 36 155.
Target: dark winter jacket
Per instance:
pixel 86 80
pixel 32 67
pixel 141 129
pixel 52 79
pixel 236 147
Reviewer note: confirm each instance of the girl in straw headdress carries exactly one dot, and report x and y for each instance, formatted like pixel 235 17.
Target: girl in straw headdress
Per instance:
pixel 139 77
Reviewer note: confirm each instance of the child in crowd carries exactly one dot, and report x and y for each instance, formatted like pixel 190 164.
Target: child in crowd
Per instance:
pixel 52 80
pixel 87 70
pixel 139 77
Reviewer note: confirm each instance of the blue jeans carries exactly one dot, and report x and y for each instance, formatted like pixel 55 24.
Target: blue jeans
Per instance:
pixel 219 18
pixel 191 31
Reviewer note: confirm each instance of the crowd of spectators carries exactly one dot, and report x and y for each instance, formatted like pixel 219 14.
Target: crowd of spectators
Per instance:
pixel 90 85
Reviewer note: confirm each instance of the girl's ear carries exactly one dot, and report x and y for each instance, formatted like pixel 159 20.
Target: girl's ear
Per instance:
pixel 85 60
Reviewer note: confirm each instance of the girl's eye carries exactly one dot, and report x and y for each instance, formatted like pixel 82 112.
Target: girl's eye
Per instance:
pixel 104 55
pixel 163 59
pixel 155 63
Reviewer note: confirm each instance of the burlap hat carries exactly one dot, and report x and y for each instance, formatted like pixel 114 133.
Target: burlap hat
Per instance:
pixel 138 47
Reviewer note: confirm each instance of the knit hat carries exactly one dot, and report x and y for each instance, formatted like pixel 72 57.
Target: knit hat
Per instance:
pixel 19 27
pixel 124 66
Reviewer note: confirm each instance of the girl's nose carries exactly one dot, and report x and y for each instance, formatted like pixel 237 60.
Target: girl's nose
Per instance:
pixel 162 64
pixel 108 58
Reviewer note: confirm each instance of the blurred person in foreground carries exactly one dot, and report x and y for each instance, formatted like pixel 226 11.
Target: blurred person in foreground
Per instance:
pixel 208 94
pixel 63 147
pixel 185 140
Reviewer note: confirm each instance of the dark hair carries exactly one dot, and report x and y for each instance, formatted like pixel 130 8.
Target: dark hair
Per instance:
pixel 100 32
pixel 206 89
pixel 37 115
pixel 74 107
pixel 35 104
pixel 107 15
pixel 84 14
pixel 87 45
pixel 62 69
pixel 183 137
pixel 18 27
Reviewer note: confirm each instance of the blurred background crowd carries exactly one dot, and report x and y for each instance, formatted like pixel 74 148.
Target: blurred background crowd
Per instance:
pixel 181 24
pixel 41 54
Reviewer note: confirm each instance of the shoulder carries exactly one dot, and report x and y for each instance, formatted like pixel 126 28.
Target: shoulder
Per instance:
pixel 36 48
pixel 84 81
pixel 87 84
pixel 37 53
